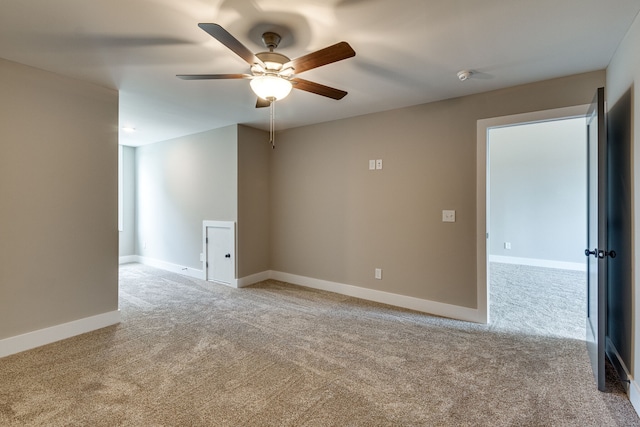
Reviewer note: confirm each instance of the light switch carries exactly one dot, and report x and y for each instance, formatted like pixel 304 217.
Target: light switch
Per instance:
pixel 448 216
pixel 379 164
pixel 372 165
pixel 378 273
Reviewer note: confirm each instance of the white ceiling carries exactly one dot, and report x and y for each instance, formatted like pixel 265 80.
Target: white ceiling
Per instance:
pixel 407 52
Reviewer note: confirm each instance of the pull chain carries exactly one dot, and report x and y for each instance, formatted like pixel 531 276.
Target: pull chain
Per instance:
pixel 272 122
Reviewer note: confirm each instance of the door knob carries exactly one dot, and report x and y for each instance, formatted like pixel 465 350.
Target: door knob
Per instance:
pixel 227 256
pixel 594 252
pixel 610 254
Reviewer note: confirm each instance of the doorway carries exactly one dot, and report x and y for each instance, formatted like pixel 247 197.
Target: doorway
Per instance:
pixel 517 237
pixel 537 221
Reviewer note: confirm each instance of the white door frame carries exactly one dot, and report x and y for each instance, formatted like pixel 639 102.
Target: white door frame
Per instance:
pixel 482 188
pixel 219 224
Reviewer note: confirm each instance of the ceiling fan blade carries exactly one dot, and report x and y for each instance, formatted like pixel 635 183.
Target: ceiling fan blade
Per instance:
pixel 224 37
pixel 212 76
pixel 328 55
pixel 261 103
pixel 318 89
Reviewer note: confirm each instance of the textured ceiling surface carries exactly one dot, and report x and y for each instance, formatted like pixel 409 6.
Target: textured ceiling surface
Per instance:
pixel 407 52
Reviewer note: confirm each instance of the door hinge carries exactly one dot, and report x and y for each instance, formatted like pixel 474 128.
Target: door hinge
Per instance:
pixel 206 240
pixel 207 264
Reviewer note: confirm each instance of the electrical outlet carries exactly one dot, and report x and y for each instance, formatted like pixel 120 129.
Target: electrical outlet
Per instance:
pixel 378 273
pixel 507 245
pixel 379 164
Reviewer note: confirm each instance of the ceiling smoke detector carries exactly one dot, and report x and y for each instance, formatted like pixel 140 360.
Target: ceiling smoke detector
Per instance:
pixel 464 75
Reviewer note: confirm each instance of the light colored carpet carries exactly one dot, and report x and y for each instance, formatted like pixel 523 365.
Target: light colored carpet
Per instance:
pixel 541 301
pixel 192 353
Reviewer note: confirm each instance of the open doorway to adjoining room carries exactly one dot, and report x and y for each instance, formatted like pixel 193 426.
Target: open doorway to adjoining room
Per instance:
pixel 532 205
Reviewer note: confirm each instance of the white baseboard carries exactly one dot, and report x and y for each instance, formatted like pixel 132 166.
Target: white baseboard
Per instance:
pixel 252 279
pixel 194 272
pixel 233 284
pixel 632 388
pixel 562 265
pixel 127 259
pixel 174 268
pixel 30 340
pixel 634 394
pixel 247 280
pixel 412 303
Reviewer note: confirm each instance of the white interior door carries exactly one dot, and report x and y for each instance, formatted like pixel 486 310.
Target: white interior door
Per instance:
pixel 220 251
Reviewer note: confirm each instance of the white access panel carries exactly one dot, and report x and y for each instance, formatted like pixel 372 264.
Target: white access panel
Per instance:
pixel 219 250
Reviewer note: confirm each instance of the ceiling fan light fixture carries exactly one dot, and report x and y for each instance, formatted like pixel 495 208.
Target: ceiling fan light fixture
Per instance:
pixel 271 87
pixel 273 66
pixel 287 72
pixel 257 69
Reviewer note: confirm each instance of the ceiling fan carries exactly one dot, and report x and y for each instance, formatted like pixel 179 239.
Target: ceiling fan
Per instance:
pixel 272 74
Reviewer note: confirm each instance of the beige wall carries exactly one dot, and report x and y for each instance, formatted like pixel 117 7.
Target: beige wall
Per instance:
pixel 180 183
pixel 333 219
pixel 217 175
pixel 254 151
pixel 58 199
pixel 623 75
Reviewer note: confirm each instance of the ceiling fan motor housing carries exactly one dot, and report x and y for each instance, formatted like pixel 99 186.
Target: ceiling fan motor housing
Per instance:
pixel 272 60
